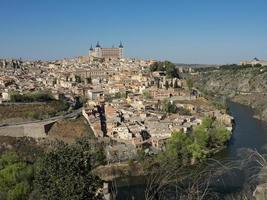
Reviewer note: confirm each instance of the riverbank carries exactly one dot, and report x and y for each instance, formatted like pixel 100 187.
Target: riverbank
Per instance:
pixel 247 86
pixel 249 133
pixel 111 172
pixel 257 102
pixel 186 150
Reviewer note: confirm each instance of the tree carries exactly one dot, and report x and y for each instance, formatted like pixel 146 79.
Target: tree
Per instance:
pixel 189 83
pixel 175 85
pixel 65 172
pixel 169 107
pixel 219 135
pixel 158 83
pixel 166 85
pixel 171 71
pixel 78 79
pixel 15 177
pixel 201 136
pixel 166 66
pixel 184 111
pixel 146 94
pixel 89 80
pixel 207 122
pixel 177 147
pixel 196 151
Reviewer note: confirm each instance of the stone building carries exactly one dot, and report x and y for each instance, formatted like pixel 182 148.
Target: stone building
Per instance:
pixel 106 53
pixel 255 61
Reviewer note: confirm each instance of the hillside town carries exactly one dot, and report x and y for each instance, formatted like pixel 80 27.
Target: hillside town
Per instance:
pixel 122 98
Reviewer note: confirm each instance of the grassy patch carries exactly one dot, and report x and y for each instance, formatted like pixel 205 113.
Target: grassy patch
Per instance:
pixel 32 111
pixel 69 130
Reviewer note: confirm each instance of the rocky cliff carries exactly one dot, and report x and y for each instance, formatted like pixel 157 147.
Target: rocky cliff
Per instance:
pixel 244 85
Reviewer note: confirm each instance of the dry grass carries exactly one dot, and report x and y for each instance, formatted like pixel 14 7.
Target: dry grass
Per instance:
pixel 199 183
pixel 69 130
pixel 22 112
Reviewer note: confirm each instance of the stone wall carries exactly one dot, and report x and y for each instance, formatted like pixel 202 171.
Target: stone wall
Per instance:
pixel 34 130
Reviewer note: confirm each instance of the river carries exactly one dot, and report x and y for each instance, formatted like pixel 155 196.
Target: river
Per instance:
pixel 249 133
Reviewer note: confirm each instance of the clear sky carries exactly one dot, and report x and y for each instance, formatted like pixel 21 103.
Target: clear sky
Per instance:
pixel 186 31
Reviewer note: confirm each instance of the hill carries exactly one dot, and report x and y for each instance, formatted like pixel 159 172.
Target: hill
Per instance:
pixel 246 85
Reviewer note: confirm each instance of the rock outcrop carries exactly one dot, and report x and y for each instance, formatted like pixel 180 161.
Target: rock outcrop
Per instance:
pixel 247 86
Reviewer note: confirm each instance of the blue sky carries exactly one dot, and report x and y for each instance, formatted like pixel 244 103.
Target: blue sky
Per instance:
pixel 187 31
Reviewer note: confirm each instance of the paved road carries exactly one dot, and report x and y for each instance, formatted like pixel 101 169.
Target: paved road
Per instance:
pixel 252 92
pixel 56 118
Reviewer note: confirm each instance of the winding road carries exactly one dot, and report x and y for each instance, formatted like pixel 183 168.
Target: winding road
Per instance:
pixel 49 120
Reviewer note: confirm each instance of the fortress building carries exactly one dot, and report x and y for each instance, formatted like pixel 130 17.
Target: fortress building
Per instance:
pixel 107 53
pixel 253 62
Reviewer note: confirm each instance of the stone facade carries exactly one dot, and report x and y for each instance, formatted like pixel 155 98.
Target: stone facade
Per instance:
pixel 106 53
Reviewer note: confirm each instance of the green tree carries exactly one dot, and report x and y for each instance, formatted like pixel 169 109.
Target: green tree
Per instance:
pixel 190 84
pixel 158 83
pixel 78 79
pixel 177 147
pixel 201 136
pixel 184 111
pixel 15 177
pixel 146 94
pixel 219 135
pixel 207 122
pixel 65 172
pixel 169 107
pixel 196 151
pixel 166 85
pixel 89 80
pixel 171 71
pixel 166 66
pixel 141 155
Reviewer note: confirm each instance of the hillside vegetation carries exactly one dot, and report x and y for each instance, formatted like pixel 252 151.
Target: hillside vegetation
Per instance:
pixel 247 85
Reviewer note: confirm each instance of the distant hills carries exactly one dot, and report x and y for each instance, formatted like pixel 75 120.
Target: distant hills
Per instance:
pixel 196 65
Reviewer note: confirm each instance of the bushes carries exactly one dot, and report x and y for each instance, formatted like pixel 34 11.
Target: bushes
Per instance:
pixel 15 177
pixel 184 111
pixel 166 66
pixel 215 133
pixel 168 107
pixel 146 94
pixel 185 149
pixel 61 173
pixel 65 173
pixel 42 96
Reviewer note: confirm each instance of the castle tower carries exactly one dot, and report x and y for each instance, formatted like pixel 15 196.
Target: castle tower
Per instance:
pixel 91 50
pixel 121 50
pixel 98 50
